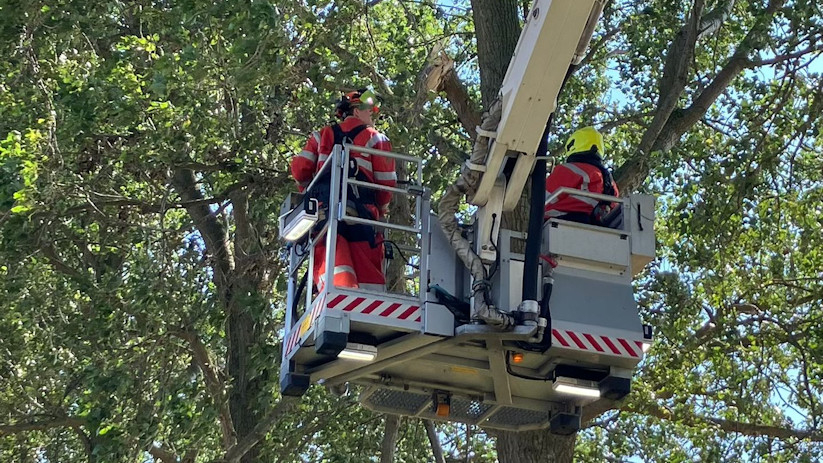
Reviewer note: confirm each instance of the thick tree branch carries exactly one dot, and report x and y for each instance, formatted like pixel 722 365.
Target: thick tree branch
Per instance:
pixel 746 429
pixel 212 231
pixel 88 445
pixel 389 443
pixel 246 243
pixel 215 386
pixel 162 455
pixel 669 124
pixel 711 21
pixel 434 440
pixel 39 425
pixel 683 120
pixel 497 29
pixel 788 56
pixel 440 76
pixel 285 406
pixel 675 73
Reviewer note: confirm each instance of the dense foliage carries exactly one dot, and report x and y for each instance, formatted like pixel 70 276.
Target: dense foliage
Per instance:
pixel 144 151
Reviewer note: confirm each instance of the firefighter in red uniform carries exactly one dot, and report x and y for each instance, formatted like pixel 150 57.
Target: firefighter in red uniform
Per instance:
pixel 358 261
pixel 583 170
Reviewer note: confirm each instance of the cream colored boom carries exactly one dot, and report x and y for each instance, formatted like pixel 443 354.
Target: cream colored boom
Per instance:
pixel 556 35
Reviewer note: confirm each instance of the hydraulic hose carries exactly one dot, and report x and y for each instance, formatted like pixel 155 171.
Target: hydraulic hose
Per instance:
pixel 466 185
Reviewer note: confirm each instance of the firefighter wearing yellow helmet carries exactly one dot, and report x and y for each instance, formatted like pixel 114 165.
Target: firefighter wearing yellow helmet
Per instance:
pixel 583 170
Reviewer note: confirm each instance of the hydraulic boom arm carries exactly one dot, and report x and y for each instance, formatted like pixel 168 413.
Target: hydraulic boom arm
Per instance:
pixel 555 36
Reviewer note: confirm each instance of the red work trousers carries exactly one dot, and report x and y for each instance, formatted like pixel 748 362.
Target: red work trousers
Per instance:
pixel 355 263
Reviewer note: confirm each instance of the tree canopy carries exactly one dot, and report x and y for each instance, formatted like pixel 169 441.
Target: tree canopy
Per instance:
pixel 144 150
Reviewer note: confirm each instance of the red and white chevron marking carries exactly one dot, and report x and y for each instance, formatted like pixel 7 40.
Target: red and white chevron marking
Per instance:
pixel 368 306
pixel 317 307
pixel 297 331
pixel 355 304
pixel 602 344
pixel 293 337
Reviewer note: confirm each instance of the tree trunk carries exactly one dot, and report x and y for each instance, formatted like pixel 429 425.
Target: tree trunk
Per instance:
pixel 534 447
pixel 497 29
pixel 434 440
pixel 389 444
pixel 242 337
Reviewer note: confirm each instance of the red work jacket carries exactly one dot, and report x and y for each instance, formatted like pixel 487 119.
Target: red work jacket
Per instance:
pixel 377 169
pixel 577 175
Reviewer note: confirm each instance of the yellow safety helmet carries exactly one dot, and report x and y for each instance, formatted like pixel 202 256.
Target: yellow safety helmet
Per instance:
pixel 584 140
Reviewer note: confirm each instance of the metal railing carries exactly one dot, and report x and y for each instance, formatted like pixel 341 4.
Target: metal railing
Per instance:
pixel 585 194
pixel 335 169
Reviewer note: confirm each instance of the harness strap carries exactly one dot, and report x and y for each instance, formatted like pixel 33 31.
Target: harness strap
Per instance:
pixel 341 136
pixel 601 213
pixel 358 198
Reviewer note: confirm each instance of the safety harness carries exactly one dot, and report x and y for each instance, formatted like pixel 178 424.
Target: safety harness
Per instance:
pixel 357 198
pixel 603 214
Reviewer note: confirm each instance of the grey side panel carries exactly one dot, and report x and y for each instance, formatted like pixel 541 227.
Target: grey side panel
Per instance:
pixel 445 269
pixel 594 302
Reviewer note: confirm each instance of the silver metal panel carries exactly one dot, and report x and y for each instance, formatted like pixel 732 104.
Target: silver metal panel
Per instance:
pixel 594 303
pixel 486 332
pixel 639 215
pixel 487 222
pixel 423 216
pixel 507 282
pixel 437 319
pixel 588 247
pixel 332 320
pixel 364 321
pixel 481 366
pixel 445 269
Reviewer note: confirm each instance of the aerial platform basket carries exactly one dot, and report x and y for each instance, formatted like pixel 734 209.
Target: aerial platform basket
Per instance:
pixel 413 354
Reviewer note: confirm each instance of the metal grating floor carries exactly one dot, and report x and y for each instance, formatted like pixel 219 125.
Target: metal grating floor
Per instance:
pixel 469 410
pixel 403 401
pixel 516 417
pixel 463 410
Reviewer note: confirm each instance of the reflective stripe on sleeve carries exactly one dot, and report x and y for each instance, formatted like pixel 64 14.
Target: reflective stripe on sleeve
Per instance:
pixel 554 213
pixel 585 186
pixel 308 155
pixel 365 164
pixel 582 173
pixel 375 139
pixel 385 176
pixel 338 269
